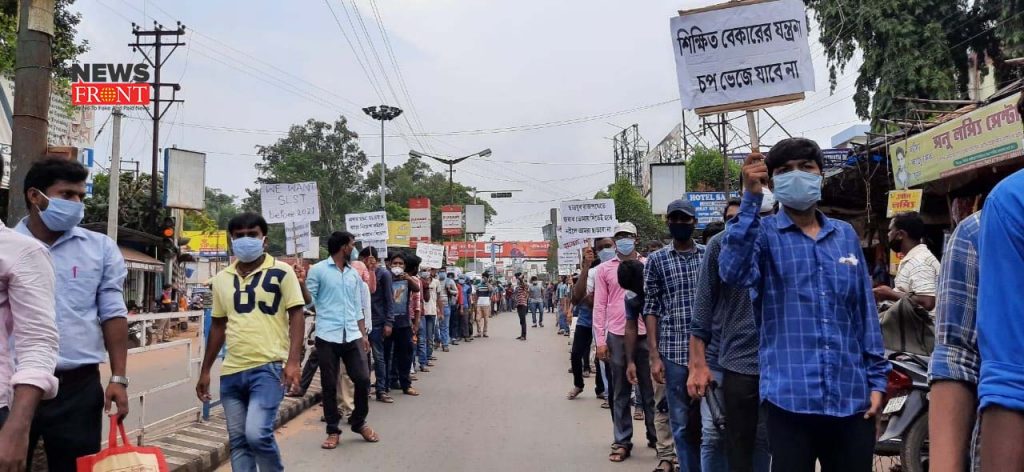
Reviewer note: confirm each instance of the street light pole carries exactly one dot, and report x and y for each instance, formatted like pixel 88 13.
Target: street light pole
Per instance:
pixel 451 167
pixel 382 113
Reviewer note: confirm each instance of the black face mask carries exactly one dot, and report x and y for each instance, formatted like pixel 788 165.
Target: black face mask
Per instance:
pixel 681 231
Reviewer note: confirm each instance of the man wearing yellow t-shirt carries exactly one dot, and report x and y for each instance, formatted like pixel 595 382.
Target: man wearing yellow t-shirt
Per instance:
pixel 257 307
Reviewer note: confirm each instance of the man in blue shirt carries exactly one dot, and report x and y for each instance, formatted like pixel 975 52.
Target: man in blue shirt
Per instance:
pixel 382 319
pixel 91 314
pixel 337 291
pixel 823 369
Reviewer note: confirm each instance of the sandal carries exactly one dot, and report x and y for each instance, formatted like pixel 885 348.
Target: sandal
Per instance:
pixel 411 392
pixel 369 435
pixel 638 415
pixel 665 466
pixel 385 398
pixel 331 442
pixel 605 405
pixel 575 392
pixel 619 453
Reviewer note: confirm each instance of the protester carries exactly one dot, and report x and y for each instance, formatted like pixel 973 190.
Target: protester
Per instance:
pixel 258 315
pixel 1000 327
pixel 955 364
pixel 90 312
pixel 918 270
pixel 338 292
pixel 399 344
pixel 382 320
pixel 812 294
pixel 536 301
pixel 29 343
pixel 522 297
pixel 431 304
pixel 583 300
pixel 466 309
pixel 609 329
pixel 446 317
pixel 670 284
pixel 483 307
pixel 723 349
pixel 562 303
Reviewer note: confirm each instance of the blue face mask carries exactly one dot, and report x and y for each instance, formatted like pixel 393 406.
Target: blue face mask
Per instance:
pixel 354 256
pixel 606 254
pixel 625 246
pixel 797 189
pixel 62 215
pixel 247 249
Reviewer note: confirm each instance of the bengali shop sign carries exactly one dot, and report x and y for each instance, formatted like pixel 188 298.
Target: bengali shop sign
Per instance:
pixel 901 201
pixel 451 220
pixel 419 221
pixel 985 136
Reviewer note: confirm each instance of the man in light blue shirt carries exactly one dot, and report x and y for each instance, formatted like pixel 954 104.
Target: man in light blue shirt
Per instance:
pixel 341 297
pixel 90 311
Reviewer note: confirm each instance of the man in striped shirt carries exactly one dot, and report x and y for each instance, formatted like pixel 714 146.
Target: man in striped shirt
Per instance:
pixel 919 270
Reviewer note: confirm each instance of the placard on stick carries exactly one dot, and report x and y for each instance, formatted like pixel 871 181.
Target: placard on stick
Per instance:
pixel 282 203
pixel 587 219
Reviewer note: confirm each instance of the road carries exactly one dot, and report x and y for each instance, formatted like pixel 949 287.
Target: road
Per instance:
pixel 495 404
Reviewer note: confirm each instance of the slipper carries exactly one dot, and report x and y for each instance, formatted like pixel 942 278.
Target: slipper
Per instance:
pixel 369 435
pixel 575 392
pixel 331 442
pixel 619 453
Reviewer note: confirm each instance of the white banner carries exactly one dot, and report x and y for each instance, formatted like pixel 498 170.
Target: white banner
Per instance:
pixel 742 53
pixel 432 255
pixel 475 219
pixel 372 226
pixel 297 237
pixel 290 202
pixel 314 248
pixel 568 257
pixel 587 219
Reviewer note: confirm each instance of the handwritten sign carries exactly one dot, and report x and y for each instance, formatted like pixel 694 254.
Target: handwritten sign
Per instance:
pixel 901 201
pixel 297 236
pixel 587 219
pixel 372 226
pixel 742 53
pixel 432 255
pixel 568 257
pixel 380 244
pixel 290 202
pixel 314 248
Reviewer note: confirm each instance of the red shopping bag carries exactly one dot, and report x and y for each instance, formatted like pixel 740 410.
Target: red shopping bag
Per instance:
pixel 124 457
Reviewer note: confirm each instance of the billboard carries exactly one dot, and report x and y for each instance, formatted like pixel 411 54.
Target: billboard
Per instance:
pixel 709 206
pixel 207 244
pixel 399 233
pixel 419 221
pixel 451 220
pixel 502 249
pixel 475 223
pixel 668 183
pixel 184 172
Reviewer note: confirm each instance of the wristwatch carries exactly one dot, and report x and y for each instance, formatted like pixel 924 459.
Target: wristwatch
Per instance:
pixel 119 379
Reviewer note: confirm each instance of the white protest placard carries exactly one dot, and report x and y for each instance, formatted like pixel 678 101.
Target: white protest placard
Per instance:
pixel 568 257
pixel 733 54
pixel 314 248
pixel 290 202
pixel 296 236
pixel 380 244
pixel 587 219
pixel 372 226
pixel 432 255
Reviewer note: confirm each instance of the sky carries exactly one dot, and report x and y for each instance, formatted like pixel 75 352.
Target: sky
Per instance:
pixel 252 68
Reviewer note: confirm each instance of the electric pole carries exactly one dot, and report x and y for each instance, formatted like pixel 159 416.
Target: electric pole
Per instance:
pixel 114 193
pixel 32 74
pixel 161 38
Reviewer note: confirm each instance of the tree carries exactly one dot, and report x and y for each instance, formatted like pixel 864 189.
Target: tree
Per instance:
pixel 133 195
pixel 914 48
pixel 220 208
pixel 704 171
pixel 64 48
pixel 631 206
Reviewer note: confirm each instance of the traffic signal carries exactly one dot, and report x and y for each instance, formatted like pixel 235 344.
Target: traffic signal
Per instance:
pixel 167 231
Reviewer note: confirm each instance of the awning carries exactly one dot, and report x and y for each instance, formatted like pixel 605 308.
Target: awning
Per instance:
pixel 136 260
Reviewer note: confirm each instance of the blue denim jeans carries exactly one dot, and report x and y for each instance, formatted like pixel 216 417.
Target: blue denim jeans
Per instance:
pixel 563 321
pixel 445 324
pixel 537 308
pixel 712 445
pixel 425 344
pixel 250 400
pixel 380 367
pixel 678 410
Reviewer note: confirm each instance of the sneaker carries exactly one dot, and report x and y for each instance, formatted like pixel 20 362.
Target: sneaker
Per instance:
pixel 534 325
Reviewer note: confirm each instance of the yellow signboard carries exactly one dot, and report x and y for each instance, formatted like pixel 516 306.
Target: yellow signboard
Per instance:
pixel 398 233
pixel 207 244
pixel 980 138
pixel 901 201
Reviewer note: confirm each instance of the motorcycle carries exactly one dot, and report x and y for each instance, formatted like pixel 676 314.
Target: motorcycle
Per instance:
pixel 905 416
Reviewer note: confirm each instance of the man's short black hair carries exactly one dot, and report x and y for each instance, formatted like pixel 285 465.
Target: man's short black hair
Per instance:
pixel 631 276
pixel 368 251
pixel 711 230
pixel 44 173
pixel 247 220
pixel 338 240
pixel 412 263
pixel 732 201
pixel 396 255
pixel 793 149
pixel 912 223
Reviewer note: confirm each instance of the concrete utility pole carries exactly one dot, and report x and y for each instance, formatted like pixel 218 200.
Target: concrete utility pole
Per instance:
pixel 114 192
pixel 32 72
pixel 158 33
pixel 382 113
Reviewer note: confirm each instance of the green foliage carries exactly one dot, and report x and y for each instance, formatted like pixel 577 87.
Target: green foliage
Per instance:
pixel 704 171
pixel 64 48
pixel 220 208
pixel 631 206
pixel 133 200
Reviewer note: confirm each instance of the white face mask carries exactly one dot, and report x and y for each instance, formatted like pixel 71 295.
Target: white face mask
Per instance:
pixel 397 271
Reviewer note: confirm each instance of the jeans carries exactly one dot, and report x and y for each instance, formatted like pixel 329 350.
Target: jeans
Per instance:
pixel 425 347
pixel 380 365
pixel 444 324
pixel 840 444
pixel 70 424
pixel 537 309
pixel 747 434
pixel 581 340
pixel 679 412
pixel 354 359
pixel 522 320
pixel 455 321
pixel 622 413
pixel 563 321
pixel 713 456
pixel 400 362
pixel 251 398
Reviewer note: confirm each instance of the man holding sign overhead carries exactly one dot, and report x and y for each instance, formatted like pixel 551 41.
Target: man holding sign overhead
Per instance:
pixel 823 370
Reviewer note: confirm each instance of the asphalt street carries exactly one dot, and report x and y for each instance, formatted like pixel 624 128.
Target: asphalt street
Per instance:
pixel 495 404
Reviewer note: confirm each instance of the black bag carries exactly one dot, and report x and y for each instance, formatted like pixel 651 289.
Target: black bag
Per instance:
pixel 907 327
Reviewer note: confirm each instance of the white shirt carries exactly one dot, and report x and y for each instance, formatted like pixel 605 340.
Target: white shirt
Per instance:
pixel 434 289
pixel 918 272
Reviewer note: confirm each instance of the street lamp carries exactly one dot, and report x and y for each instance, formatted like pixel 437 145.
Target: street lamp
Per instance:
pixel 451 167
pixel 382 113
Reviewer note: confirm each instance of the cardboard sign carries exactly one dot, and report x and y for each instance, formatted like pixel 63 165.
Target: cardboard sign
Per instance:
pixel 297 236
pixel 568 257
pixel 290 202
pixel 372 226
pixel 432 255
pixel 587 219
